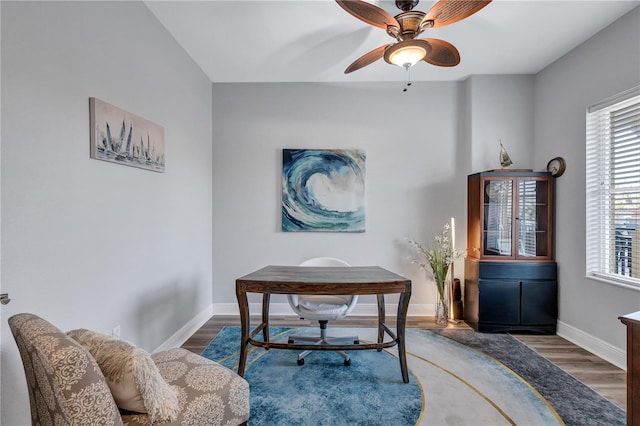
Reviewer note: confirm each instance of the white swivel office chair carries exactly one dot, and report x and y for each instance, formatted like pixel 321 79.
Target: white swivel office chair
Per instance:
pixel 323 308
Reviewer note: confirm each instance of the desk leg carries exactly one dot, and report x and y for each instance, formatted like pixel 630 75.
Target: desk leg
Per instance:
pixel 403 306
pixel 243 305
pixel 381 319
pixel 265 317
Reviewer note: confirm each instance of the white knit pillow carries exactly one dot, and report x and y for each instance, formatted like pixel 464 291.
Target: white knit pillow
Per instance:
pixel 132 376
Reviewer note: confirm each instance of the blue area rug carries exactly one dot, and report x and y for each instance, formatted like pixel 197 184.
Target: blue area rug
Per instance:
pixel 450 384
pixel 323 391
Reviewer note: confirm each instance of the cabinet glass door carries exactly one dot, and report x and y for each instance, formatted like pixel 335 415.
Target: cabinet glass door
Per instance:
pixel 533 218
pixel 498 214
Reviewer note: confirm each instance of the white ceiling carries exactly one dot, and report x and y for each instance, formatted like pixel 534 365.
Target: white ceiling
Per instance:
pixel 315 40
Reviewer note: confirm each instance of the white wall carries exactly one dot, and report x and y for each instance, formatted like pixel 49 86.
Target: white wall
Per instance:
pixel 420 147
pixel 86 243
pixel 605 65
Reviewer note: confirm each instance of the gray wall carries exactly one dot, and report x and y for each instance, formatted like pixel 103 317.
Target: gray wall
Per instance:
pixel 501 109
pixel 86 243
pixel 607 64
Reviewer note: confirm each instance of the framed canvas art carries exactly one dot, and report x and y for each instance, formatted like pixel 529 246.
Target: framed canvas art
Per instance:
pixel 124 138
pixel 323 190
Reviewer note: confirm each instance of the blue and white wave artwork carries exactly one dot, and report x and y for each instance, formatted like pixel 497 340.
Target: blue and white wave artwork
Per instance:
pixel 323 190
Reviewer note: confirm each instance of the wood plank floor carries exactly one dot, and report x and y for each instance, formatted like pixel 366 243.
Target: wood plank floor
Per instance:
pixel 603 377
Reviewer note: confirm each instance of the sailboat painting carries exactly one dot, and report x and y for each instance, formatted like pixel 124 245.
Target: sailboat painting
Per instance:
pixel 124 138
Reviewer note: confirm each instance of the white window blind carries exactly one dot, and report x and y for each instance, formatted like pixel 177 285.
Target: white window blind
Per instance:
pixel 613 189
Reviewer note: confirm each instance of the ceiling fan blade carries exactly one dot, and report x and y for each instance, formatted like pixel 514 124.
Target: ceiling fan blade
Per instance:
pixel 369 13
pixel 447 12
pixel 442 53
pixel 366 59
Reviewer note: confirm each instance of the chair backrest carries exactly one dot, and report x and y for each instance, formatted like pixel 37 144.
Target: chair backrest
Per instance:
pixel 294 299
pixel 66 386
pixel 324 261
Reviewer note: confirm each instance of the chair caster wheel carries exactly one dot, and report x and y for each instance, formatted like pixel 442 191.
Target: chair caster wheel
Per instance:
pixel 347 362
pixel 356 342
pixel 290 341
pixel 301 361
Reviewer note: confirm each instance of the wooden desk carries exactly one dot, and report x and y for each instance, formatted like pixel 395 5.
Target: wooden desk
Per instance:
pixel 323 280
pixel 632 321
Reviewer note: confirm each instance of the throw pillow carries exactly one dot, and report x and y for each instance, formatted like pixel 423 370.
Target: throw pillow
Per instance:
pixel 132 376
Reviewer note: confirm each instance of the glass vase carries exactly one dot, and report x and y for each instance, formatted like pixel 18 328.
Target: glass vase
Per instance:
pixel 442 305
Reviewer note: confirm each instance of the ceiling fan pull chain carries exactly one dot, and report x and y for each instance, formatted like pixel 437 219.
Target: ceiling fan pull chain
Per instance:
pixel 407 77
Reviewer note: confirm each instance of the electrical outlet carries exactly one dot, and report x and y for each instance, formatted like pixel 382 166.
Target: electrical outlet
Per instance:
pixel 116 331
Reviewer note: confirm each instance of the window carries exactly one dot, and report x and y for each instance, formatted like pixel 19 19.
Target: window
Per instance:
pixel 613 189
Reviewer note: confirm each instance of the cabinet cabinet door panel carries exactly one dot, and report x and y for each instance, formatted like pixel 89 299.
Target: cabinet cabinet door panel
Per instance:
pixel 499 301
pixel 539 302
pixel 533 214
pixel 498 218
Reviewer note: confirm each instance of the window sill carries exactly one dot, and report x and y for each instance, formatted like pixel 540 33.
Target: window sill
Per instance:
pixel 630 284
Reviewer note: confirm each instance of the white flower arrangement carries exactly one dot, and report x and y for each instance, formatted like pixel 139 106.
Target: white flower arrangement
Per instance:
pixel 437 258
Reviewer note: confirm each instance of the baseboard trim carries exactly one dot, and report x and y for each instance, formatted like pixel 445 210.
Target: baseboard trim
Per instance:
pixel 361 309
pixel 182 335
pixel 604 350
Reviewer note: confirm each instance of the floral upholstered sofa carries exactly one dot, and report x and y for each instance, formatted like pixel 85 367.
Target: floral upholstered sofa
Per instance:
pixel 68 387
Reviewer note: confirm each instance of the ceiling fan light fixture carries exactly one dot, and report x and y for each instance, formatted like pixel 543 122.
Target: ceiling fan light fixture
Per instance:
pixel 405 56
pixel 407 26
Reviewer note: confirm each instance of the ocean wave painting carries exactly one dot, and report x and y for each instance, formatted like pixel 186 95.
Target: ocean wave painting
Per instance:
pixel 323 190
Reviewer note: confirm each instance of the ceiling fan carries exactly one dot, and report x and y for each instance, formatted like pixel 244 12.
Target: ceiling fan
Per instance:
pixel 408 25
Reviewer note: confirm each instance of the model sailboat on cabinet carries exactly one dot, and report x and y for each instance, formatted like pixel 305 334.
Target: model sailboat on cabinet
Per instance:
pixel 505 160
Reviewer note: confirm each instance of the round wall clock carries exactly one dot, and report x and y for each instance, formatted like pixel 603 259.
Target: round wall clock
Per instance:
pixel 556 166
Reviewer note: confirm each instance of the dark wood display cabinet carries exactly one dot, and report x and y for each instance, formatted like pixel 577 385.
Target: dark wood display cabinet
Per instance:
pixel 510 276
